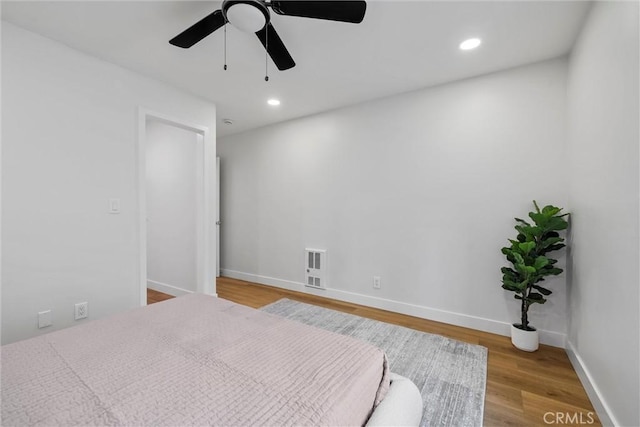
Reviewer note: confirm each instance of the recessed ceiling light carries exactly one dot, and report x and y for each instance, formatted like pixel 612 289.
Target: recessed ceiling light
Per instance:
pixel 470 44
pixel 273 102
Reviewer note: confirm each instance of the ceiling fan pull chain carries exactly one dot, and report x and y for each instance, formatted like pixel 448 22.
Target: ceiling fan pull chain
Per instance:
pixel 266 51
pixel 225 47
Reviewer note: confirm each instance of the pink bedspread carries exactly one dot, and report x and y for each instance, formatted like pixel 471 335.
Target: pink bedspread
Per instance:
pixel 193 360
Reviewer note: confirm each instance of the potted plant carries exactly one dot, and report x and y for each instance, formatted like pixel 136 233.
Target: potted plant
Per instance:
pixel 531 265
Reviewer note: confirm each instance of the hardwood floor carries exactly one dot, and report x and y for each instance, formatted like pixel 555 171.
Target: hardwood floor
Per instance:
pixel 523 389
pixel 155 296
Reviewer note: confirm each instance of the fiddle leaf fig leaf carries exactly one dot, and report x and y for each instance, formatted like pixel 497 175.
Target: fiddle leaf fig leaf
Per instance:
pixel 551 241
pixel 553 271
pixel 526 247
pixel 551 210
pixel 510 286
pixel 519 259
pixel 554 248
pixel 542 290
pixel 541 262
pixel 535 297
pixel 557 223
pixel 539 219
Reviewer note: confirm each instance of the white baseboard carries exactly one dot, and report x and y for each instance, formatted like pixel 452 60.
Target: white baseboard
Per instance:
pixel 167 289
pixel 599 404
pixel 555 339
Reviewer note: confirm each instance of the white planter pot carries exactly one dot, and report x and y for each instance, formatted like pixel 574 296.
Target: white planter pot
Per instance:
pixel 524 340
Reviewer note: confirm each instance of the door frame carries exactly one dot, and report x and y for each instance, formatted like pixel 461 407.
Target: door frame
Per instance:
pixel 206 250
pixel 218 223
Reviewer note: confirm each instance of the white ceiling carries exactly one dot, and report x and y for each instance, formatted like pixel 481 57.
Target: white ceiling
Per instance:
pixel 400 46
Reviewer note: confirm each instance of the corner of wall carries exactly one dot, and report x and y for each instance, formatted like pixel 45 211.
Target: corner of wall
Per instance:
pixel 594 393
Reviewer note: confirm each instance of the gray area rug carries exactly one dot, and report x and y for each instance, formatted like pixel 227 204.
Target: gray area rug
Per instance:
pixel 451 375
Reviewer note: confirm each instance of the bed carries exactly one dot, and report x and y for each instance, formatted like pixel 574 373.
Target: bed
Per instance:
pixel 199 360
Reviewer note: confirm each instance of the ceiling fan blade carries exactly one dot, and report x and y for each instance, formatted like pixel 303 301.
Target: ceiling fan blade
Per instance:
pixel 345 11
pixel 199 30
pixel 275 48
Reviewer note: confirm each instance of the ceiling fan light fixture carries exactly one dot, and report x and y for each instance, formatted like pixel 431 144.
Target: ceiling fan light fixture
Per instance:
pixel 470 44
pixel 249 16
pixel 253 16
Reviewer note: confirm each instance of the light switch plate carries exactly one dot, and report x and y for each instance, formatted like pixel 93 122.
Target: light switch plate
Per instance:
pixel 114 206
pixel 44 319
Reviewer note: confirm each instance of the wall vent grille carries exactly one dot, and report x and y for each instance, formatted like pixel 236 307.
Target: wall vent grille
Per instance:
pixel 315 270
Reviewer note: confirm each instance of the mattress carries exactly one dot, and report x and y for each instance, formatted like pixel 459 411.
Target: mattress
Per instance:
pixel 192 360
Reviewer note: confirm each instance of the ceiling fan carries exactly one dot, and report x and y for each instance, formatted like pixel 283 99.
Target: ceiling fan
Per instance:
pixel 253 16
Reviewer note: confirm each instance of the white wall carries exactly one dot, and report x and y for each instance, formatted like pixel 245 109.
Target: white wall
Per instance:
pixel 604 186
pixel 69 145
pixel 174 181
pixel 420 189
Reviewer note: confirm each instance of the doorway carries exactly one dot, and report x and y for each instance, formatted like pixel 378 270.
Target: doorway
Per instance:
pixel 176 170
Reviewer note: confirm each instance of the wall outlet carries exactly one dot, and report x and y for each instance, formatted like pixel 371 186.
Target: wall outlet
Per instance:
pixel 81 310
pixel 45 319
pixel 376 282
